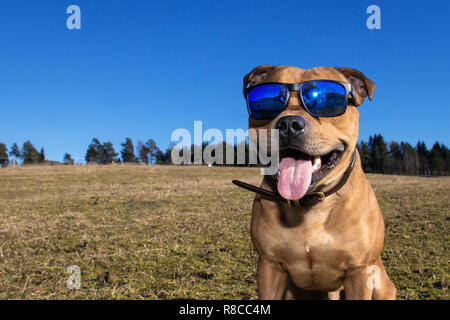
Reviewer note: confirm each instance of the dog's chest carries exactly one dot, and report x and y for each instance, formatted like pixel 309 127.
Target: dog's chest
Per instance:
pixel 314 257
pixel 314 261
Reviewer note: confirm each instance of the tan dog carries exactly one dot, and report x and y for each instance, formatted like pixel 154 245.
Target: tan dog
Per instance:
pixel 330 249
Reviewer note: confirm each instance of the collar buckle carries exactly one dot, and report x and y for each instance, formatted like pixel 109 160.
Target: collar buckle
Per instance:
pixel 293 203
pixel 320 196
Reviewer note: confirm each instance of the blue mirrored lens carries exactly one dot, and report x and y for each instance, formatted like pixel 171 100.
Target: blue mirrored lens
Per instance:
pixel 324 98
pixel 267 101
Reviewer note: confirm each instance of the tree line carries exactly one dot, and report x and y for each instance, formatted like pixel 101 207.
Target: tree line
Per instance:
pixel 97 152
pixel 28 154
pixel 147 153
pixel 377 156
pixel 402 158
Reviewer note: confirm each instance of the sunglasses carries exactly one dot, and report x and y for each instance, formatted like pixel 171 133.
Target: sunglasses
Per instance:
pixel 321 98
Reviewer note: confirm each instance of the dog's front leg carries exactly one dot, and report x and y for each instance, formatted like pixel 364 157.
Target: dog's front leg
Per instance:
pixel 369 282
pixel 271 280
pixel 357 285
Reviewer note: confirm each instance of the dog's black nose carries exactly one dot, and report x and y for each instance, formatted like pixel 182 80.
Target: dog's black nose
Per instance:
pixel 290 126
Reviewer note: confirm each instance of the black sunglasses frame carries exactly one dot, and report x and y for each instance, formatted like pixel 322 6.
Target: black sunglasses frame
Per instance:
pixel 297 87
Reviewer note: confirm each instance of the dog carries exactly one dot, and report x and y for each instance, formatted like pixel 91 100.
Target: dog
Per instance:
pixel 328 248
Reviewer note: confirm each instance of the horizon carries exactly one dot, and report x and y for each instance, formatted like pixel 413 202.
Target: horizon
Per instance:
pixel 235 144
pixel 142 70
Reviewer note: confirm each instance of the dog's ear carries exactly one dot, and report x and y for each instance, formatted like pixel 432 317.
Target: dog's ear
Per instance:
pixel 362 86
pixel 256 75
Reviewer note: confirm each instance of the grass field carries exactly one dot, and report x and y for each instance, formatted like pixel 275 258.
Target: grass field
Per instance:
pixel 163 232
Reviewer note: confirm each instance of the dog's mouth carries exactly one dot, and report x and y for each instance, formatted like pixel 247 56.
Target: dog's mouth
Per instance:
pixel 298 171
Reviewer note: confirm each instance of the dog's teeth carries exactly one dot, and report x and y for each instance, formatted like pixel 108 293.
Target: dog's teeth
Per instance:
pixel 316 163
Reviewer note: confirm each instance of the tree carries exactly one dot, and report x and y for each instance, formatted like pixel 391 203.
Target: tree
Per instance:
pixel 42 156
pixel 29 153
pixel 4 159
pixel 168 153
pixel 410 159
pixel 109 155
pixel 378 153
pixel 161 157
pixel 403 158
pixel 424 155
pixel 15 151
pixel 446 156
pixel 439 159
pixel 152 149
pixel 395 159
pixel 364 154
pixel 127 151
pixel 94 152
pixel 143 152
pixel 395 151
pixel 67 159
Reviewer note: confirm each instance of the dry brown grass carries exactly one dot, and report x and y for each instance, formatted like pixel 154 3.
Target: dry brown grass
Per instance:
pixel 181 232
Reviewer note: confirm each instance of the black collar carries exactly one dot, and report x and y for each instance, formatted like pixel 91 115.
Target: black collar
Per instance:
pixel 308 199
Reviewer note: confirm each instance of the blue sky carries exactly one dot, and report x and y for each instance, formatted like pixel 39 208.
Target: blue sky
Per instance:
pixel 141 69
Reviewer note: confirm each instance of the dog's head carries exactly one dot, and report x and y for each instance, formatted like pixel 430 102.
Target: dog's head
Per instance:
pixel 326 142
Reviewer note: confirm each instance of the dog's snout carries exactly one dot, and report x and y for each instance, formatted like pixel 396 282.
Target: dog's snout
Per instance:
pixel 290 126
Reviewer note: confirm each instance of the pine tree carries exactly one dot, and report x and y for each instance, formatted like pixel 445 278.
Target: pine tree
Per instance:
pixel 395 159
pixel 42 156
pixel 378 153
pixel 424 155
pixel 29 153
pixel 15 151
pixel 437 159
pixel 4 159
pixel 446 156
pixel 410 159
pixel 364 153
pixel 109 155
pixel 94 152
pixel 143 151
pixel 127 151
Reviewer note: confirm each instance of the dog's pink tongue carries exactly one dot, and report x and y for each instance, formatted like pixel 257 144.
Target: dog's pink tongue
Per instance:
pixel 294 178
